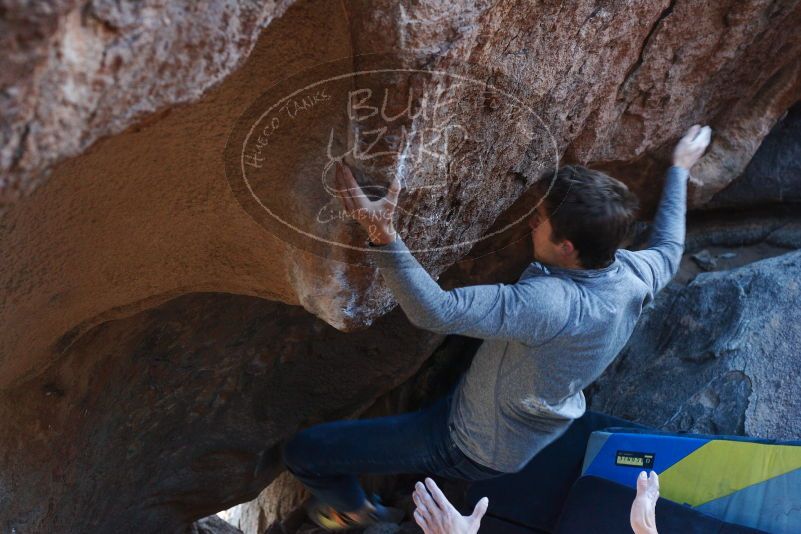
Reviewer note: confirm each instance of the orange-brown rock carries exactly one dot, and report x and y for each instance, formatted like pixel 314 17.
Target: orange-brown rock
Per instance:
pixel 119 207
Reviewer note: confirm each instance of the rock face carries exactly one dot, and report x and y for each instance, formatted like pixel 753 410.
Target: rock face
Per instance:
pixel 213 525
pixel 153 421
pixel 719 356
pixel 147 215
pixel 149 318
pixel 774 174
pixel 73 72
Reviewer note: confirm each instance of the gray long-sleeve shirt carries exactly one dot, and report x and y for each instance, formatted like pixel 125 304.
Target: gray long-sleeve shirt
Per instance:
pixel 546 337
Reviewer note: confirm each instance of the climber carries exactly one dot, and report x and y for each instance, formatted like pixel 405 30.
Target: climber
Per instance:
pixel 546 337
pixel 435 514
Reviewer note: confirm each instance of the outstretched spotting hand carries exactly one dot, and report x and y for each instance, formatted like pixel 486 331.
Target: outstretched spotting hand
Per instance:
pixel 691 147
pixel 643 509
pixel 375 216
pixel 436 515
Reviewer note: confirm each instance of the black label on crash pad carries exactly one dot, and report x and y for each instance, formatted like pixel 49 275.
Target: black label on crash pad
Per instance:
pixel 641 460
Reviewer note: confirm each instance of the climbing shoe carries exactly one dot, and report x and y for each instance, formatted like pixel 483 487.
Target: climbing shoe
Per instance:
pixel 327 517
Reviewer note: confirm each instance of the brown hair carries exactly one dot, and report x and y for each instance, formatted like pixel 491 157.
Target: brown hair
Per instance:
pixel 591 209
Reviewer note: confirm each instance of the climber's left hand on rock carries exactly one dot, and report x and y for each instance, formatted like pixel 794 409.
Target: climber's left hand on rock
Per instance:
pixel 375 216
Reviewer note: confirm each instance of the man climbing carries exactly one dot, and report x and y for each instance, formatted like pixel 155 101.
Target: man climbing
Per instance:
pixel 546 337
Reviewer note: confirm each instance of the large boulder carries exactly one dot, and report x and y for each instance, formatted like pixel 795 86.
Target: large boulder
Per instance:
pixel 718 356
pixel 148 214
pixel 150 422
pixel 73 72
pixel 773 176
pixel 151 317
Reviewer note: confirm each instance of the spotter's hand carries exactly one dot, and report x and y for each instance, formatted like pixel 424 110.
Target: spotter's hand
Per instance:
pixel 643 509
pixel 436 515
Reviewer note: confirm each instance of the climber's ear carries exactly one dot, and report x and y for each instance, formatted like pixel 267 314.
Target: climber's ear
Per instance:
pixel 568 251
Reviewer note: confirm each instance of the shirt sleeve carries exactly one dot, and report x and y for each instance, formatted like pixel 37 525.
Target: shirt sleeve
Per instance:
pixel 522 312
pixel 659 263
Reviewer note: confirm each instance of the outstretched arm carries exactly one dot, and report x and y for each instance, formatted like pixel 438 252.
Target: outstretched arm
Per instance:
pixel 493 311
pixel 531 311
pixel 660 261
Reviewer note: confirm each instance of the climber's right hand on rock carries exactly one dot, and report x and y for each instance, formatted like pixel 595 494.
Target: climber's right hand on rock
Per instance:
pixel 375 216
pixel 692 146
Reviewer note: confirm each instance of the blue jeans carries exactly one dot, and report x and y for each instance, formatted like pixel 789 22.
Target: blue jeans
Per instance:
pixel 327 458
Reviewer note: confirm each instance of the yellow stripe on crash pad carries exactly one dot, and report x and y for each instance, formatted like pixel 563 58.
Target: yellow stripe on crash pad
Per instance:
pixel 721 468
